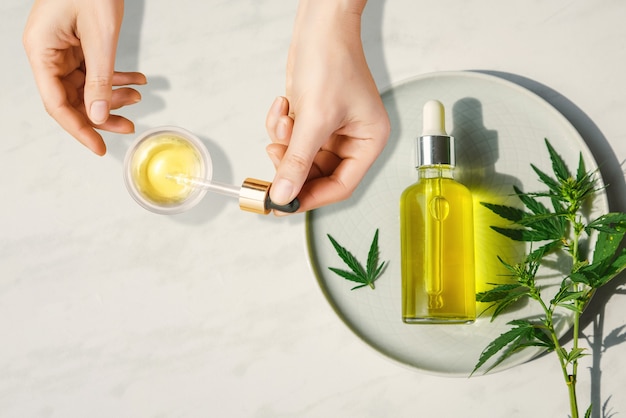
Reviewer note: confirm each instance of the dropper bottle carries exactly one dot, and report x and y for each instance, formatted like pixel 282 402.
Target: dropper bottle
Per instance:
pixel 437 233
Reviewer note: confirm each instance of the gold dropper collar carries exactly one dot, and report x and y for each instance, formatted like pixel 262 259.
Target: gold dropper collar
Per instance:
pixel 253 196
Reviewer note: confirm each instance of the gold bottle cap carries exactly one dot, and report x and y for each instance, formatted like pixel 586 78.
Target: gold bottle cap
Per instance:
pixel 254 195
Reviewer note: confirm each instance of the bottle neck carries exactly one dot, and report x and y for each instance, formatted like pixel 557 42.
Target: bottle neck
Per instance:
pixel 435 171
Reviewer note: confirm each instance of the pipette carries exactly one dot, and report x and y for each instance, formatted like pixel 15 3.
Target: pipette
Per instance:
pixel 253 194
pixel 168 170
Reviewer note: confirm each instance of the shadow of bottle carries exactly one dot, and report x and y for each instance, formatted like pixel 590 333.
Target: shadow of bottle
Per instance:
pixel 477 152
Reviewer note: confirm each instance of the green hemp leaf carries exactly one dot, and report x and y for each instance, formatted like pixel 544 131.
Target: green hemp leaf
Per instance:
pixel 366 276
pixel 556 227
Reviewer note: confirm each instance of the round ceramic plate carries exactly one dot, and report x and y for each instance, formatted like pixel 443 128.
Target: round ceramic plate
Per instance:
pixel 500 129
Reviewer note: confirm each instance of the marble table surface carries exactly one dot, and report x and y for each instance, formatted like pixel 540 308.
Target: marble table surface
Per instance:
pixel 107 310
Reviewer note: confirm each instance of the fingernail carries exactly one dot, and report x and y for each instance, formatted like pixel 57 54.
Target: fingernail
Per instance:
pixel 277 106
pixel 99 112
pixel 281 191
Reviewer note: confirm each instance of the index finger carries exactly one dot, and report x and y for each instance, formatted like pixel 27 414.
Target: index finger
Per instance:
pixel 336 187
pixel 98 28
pixel 57 105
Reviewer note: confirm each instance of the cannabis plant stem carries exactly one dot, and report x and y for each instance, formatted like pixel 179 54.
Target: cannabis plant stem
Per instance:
pixel 570 379
pixel 564 360
pixel 571 383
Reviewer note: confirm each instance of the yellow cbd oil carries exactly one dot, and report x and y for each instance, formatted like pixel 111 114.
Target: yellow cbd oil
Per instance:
pixel 157 160
pixel 437 233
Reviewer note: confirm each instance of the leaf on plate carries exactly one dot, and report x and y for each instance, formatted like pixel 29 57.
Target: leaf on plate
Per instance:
pixel 502 296
pixel 507 212
pixel 558 165
pixel 366 276
pixel 523 334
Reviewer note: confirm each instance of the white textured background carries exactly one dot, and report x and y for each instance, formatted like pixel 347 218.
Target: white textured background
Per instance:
pixel 107 310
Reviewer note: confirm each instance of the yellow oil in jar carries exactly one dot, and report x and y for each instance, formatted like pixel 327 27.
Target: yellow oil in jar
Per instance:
pixel 437 244
pixel 158 161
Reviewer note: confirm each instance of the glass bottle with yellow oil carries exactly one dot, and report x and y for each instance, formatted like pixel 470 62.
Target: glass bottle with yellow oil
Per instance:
pixel 437 233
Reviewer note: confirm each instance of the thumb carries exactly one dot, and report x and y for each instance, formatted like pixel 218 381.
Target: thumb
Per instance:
pixel 99 32
pixel 295 165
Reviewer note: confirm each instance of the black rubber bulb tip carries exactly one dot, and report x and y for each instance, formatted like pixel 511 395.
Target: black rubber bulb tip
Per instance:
pixel 290 207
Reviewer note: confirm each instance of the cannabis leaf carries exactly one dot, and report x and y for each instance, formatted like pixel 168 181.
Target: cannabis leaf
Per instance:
pixel 523 334
pixel 366 276
pixel 557 225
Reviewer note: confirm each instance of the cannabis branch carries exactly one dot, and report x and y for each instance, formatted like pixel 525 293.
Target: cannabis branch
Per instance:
pixel 559 226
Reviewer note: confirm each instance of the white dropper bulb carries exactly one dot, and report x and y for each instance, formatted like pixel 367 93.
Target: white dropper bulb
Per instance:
pixel 434 119
pixel 434 146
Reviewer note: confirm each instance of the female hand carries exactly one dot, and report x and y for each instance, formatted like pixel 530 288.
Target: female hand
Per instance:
pixel 71 47
pixel 332 125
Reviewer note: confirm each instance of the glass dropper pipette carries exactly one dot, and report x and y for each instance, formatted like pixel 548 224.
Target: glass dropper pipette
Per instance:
pixel 253 194
pixel 172 154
